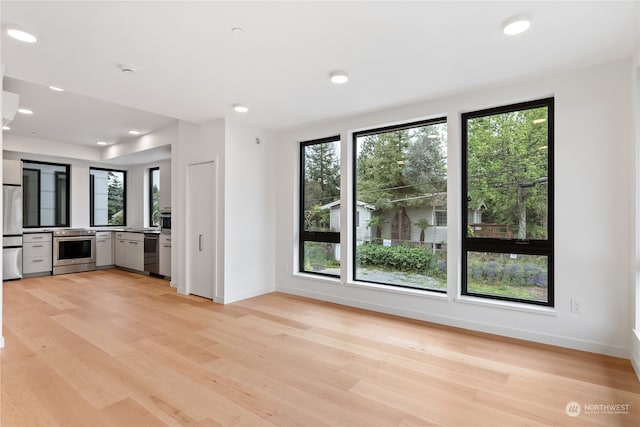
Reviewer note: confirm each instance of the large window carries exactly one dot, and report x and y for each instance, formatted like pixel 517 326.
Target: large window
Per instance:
pixel 400 203
pixel 154 197
pixel 45 189
pixel 320 206
pixel 507 165
pixel 108 197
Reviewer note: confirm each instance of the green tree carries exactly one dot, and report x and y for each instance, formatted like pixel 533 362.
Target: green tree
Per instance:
pixel 400 168
pixel 321 182
pixel 155 214
pixel 115 189
pixel 507 169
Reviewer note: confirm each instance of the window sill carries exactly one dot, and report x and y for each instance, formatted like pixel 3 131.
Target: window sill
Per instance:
pixel 327 279
pixel 397 290
pixel 547 311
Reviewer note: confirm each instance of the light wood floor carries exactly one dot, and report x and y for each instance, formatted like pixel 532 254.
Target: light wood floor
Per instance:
pixel 111 348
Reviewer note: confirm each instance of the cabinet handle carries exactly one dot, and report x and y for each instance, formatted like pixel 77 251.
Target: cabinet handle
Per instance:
pixel 37 238
pixel 200 242
pixel 37 260
pixel 38 246
pixel 166 246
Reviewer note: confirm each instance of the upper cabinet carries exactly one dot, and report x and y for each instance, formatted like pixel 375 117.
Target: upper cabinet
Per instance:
pixel 12 172
pixel 165 185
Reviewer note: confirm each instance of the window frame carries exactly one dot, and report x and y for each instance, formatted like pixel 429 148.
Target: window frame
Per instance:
pixel 57 203
pixel 312 236
pixel 92 197
pixel 354 178
pixel 514 245
pixel 150 200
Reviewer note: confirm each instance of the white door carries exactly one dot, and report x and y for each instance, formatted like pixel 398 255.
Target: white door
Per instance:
pixel 201 228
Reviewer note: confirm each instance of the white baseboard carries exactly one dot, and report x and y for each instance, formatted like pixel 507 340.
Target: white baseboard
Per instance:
pixel 246 295
pixel 542 338
pixel 1 342
pixel 635 351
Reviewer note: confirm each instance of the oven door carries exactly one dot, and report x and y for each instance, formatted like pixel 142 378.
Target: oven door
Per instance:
pixel 74 250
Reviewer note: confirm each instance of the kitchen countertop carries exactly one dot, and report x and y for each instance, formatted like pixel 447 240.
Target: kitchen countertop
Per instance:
pixel 127 230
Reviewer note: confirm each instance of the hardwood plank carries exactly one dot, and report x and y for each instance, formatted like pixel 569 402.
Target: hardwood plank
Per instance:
pixel 113 348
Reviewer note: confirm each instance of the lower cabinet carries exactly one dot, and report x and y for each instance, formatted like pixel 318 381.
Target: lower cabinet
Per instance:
pixel 165 255
pixel 104 249
pixel 37 253
pixel 129 250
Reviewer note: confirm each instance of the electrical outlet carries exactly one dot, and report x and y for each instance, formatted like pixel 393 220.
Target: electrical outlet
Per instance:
pixel 576 305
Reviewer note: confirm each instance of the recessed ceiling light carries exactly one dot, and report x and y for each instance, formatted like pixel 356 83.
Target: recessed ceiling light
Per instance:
pixel 239 108
pixel 24 111
pixel 101 143
pixel 134 132
pixel 339 77
pixel 56 88
pixel 20 33
pixel 237 31
pixel 516 25
pixel 536 121
pixel 6 128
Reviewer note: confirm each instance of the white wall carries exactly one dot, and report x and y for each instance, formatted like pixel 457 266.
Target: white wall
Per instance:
pixel 250 212
pixel 138 192
pixel 79 181
pixel 161 138
pixel 593 145
pixel 1 210
pixel 197 144
pixel 635 212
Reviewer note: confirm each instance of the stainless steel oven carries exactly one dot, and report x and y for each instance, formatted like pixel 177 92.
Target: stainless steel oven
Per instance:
pixel 74 250
pixel 165 222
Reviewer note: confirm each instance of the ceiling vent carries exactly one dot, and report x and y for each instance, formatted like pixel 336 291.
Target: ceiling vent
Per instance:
pixel 9 106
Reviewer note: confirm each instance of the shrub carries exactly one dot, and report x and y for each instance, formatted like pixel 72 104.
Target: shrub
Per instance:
pixel 410 260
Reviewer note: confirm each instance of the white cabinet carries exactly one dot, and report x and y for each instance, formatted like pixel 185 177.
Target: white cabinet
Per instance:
pixel 165 185
pixel 129 252
pixel 11 172
pixel 36 253
pixel 165 255
pixel 104 249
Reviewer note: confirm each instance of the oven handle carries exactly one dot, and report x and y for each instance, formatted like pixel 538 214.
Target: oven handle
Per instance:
pixel 63 238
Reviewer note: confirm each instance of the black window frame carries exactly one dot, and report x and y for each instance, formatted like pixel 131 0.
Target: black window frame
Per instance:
pixel 150 201
pixel 91 197
pixel 354 177
pixel 312 236
pixel 58 205
pixel 514 245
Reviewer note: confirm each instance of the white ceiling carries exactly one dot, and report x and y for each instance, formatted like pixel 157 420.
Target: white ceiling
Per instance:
pixel 190 66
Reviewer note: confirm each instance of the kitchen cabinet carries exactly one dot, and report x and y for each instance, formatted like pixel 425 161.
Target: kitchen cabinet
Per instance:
pixel 129 250
pixel 11 172
pixel 37 256
pixel 165 255
pixel 165 185
pixel 104 249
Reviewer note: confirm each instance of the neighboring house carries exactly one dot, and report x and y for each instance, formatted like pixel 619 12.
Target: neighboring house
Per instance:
pixel 363 216
pixel 399 224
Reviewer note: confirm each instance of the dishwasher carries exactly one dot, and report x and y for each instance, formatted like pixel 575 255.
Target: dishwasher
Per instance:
pixel 151 253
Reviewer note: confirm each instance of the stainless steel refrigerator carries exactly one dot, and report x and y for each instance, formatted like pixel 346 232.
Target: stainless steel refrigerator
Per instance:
pixel 12 232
